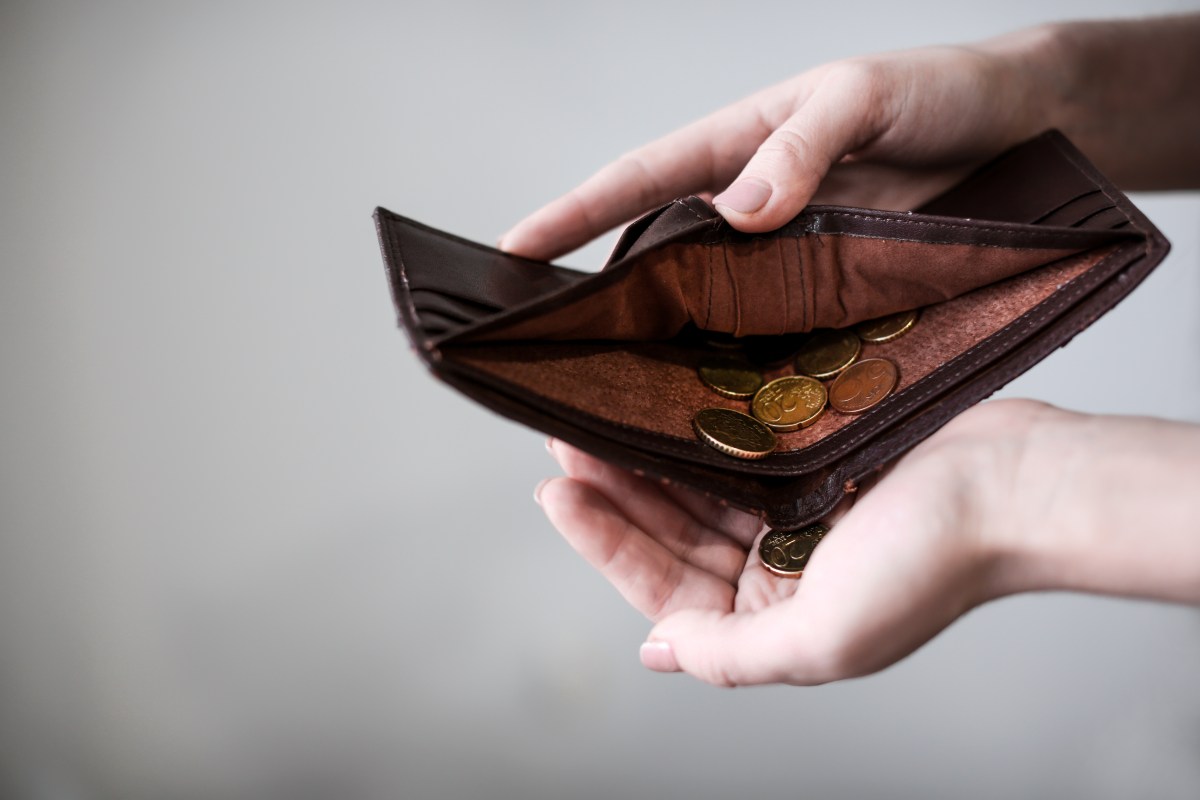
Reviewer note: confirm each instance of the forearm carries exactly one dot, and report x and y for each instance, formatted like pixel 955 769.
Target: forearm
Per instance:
pixel 1115 507
pixel 1128 93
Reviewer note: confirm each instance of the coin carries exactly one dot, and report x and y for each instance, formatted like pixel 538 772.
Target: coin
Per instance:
pixel 791 403
pixel 730 377
pixel 733 433
pixel 786 553
pixel 826 352
pixel 863 386
pixel 885 329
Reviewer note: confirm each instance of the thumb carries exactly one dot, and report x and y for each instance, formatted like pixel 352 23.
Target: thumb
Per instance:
pixel 732 649
pixel 782 176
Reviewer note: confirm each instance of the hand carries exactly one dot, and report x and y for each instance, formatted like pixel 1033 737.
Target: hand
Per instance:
pixel 885 131
pixel 907 557
pixel 890 131
pixel 1010 496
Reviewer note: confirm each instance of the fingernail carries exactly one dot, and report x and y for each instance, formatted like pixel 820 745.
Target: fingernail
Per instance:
pixel 550 445
pixel 537 491
pixel 745 196
pixel 658 656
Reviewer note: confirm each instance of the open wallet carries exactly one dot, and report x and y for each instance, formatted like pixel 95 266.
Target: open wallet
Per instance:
pixel 1006 266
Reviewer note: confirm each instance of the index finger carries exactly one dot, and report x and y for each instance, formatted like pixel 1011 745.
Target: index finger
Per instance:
pixel 698 156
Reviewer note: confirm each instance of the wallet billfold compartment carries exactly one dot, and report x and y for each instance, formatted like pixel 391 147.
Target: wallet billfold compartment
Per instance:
pixel 1006 266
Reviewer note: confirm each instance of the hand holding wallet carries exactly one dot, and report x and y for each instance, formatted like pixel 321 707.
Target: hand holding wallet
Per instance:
pixel 1006 266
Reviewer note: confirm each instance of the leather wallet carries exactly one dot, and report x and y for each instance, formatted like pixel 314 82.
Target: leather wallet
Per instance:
pixel 1006 266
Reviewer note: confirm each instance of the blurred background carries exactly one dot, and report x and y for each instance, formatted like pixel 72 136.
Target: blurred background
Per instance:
pixel 249 548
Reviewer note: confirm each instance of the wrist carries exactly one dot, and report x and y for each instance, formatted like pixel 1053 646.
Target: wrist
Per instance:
pixel 1100 504
pixel 1037 76
pixel 1042 506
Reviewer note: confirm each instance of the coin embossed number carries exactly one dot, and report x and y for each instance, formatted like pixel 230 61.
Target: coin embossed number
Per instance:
pixel 789 403
pixel 863 386
pixel 786 553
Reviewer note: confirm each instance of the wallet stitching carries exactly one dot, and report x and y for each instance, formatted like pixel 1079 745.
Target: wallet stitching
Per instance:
pixel 677 201
pixel 983 225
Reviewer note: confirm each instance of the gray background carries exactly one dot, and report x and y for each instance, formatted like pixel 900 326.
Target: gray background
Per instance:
pixel 249 549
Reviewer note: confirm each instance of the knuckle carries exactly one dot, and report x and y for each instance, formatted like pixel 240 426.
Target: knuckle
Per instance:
pixel 662 591
pixel 716 673
pixel 793 153
pixel 631 168
pixel 858 75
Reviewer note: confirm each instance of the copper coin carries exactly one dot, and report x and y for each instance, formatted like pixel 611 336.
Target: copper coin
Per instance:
pixel 826 352
pixel 733 433
pixel 730 377
pixel 791 403
pixel 863 386
pixel 786 553
pixel 885 329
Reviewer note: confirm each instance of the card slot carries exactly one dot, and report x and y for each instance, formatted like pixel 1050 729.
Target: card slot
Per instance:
pixel 424 258
pixel 434 324
pixel 1103 218
pixel 1078 215
pixel 1021 185
pixel 464 311
pixel 1050 216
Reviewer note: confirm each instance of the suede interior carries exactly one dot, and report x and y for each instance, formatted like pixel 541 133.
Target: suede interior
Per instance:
pixel 772 285
pixel 652 386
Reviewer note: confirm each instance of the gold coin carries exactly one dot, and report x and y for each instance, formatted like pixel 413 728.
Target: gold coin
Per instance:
pixel 791 403
pixel 730 377
pixel 826 352
pixel 864 385
pixel 885 329
pixel 733 433
pixel 786 553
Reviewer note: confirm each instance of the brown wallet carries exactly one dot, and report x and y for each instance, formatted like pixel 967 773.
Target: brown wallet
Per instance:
pixel 1006 266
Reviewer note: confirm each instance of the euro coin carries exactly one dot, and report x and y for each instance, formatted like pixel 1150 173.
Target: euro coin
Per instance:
pixel 863 386
pixel 733 433
pixel 826 352
pixel 791 403
pixel 885 329
pixel 786 553
pixel 730 377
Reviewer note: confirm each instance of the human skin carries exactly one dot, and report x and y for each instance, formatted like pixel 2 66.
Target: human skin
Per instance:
pixel 1010 496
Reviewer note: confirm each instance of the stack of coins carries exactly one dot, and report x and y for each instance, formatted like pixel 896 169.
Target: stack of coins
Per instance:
pixel 794 402
pixel 797 401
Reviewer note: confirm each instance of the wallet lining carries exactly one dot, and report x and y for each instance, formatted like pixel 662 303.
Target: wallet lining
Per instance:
pixel 653 387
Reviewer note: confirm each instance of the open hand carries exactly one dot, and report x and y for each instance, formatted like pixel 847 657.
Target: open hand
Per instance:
pixel 905 558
